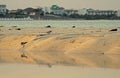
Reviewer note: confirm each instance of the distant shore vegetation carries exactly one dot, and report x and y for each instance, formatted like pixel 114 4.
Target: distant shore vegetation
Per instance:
pixel 57 12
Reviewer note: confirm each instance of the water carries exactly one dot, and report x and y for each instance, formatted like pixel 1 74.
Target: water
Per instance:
pixel 82 23
pixel 35 71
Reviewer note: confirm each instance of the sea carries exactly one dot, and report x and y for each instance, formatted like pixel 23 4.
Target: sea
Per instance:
pixel 63 23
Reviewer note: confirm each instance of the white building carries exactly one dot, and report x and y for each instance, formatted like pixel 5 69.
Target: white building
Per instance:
pixel 57 10
pixel 118 13
pixel 3 9
pixel 46 10
pixel 12 11
pixel 96 12
pixel 32 13
pixel 82 11
pixel 71 11
pixel 101 12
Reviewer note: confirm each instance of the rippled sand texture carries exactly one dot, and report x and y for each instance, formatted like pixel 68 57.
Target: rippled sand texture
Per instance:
pixel 80 46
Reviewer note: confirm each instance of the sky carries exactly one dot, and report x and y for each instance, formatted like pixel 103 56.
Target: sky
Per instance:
pixel 68 4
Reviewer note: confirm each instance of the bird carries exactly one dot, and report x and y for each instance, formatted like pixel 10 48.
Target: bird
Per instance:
pixel 73 26
pixel 23 43
pixel 113 29
pixel 48 26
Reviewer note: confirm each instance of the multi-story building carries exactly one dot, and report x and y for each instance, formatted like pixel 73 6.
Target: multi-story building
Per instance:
pixel 101 12
pixel 3 9
pixel 118 13
pixel 70 12
pixel 57 10
pixel 82 11
pixel 96 12
pixel 46 10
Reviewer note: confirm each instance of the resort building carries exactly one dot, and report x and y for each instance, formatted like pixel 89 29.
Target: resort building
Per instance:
pixel 118 13
pixel 70 12
pixel 3 9
pixel 82 11
pixel 57 10
pixel 46 10
pixel 101 12
pixel 96 12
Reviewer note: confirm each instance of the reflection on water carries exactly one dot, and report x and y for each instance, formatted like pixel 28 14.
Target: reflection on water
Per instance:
pixel 98 60
pixel 35 71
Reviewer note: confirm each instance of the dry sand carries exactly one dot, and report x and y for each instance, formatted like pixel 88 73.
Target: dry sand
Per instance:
pixel 81 46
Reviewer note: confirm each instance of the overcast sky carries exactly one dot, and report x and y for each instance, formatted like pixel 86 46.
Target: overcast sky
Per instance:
pixel 70 4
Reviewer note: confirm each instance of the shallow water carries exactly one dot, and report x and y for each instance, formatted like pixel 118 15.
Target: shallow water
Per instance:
pixel 36 71
pixel 82 23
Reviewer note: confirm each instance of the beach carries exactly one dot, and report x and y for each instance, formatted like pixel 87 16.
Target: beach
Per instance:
pixel 59 39
pixel 59 52
pixel 79 46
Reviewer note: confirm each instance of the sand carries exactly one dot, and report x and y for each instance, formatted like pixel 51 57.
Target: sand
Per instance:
pixel 66 46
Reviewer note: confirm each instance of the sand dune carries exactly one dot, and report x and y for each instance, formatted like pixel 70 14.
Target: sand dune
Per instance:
pixel 64 46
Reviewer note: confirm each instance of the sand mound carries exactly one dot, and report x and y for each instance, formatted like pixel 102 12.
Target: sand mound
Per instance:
pixel 63 46
pixel 95 50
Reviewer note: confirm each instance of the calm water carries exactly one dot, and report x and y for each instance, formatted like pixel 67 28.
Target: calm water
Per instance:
pixel 35 71
pixel 87 23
